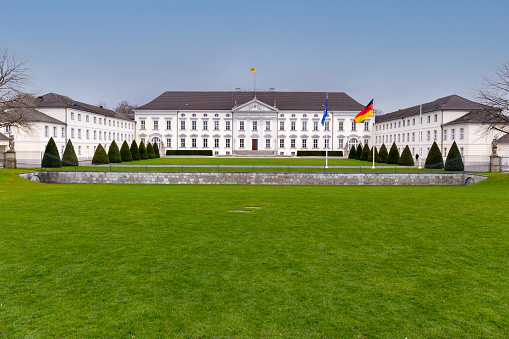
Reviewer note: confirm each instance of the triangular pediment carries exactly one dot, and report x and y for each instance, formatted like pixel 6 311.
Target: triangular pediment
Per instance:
pixel 255 106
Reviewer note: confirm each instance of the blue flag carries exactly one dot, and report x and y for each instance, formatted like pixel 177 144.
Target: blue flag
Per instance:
pixel 325 112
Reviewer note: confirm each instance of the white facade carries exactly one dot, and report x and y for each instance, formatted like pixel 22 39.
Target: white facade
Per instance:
pixel 250 128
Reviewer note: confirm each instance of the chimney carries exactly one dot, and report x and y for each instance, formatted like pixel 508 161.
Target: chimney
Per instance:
pixel 271 89
pixel 237 89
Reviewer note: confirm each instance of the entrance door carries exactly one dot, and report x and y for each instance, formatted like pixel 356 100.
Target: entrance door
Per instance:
pixel 254 144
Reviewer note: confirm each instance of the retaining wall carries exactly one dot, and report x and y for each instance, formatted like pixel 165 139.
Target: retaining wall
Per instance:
pixel 264 178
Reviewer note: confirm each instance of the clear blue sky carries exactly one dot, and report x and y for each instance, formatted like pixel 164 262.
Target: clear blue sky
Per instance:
pixel 396 51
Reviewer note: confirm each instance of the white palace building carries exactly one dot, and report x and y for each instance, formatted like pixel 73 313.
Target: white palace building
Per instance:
pixel 247 123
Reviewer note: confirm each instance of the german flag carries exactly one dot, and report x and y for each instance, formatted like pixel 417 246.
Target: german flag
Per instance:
pixel 365 113
pixel 252 69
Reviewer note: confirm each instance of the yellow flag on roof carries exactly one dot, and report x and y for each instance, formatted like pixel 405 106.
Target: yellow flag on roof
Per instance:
pixel 252 69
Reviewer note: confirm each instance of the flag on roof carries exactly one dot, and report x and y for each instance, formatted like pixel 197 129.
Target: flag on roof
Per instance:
pixel 252 69
pixel 365 113
pixel 325 114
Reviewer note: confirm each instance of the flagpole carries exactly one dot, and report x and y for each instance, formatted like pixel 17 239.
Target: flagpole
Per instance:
pixel 327 133
pixel 374 134
pixel 420 133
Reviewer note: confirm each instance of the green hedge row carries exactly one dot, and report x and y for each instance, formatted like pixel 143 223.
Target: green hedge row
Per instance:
pixel 189 152
pixel 319 153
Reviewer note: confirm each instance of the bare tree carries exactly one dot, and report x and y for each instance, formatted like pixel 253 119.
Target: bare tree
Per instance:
pixel 15 104
pixel 494 94
pixel 125 108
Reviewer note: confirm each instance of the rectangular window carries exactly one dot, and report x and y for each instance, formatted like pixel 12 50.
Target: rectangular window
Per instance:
pixel 87 118
pixel 304 143
pixel 168 124
pixel 403 123
pixel 315 143
pixel 462 133
pixel 399 137
pixel 72 115
pixel 110 135
pixel 340 143
pixel 168 142
pixel 445 134
pixel 79 133
pixel 340 126
pixel 399 124
pixel 205 143
pixel 326 125
pixel 255 125
pixel 292 143
pixel 281 143
pixel 435 117
pixel 267 143
pixel 241 125
pixel 445 151
pixel 461 151
pixel 55 132
pixel 87 134
pixel 429 119
pixel 79 150
pixel 453 133
pixel 366 126
pixel 315 125
pixel 428 138
pixel 326 143
pixel 292 125
pixel 435 135
pixel 354 126
pixel 408 137
pixel 100 135
pixel 95 135
pixel 304 125
pixel 72 133
pixel 79 116
pixel 227 125
pixel 142 124
pixel 281 125
pixel 193 142
pixel 216 125
pixel 216 142
pixel 241 143
pixel 156 124
pixel 227 141
pixel 46 131
pixel 193 125
pixel 413 136
pixel 267 125
pixel 205 125
pixel 183 142
pixel 95 120
pixel 413 121
pixel 182 124
pixel 100 121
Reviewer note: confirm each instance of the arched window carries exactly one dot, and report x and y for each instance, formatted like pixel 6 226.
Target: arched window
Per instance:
pixel 156 140
pixel 353 142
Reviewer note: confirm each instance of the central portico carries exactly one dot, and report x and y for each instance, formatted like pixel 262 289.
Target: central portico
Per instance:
pixel 254 128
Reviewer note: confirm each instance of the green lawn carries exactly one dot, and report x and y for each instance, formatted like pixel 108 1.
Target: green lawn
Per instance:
pixel 150 261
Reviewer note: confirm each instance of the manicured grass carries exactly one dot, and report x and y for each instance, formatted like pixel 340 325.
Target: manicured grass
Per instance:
pixel 329 261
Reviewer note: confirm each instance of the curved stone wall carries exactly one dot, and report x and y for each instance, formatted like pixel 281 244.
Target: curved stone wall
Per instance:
pixel 264 178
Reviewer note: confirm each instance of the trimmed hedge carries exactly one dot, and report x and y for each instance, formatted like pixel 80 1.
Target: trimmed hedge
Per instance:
pixel 358 152
pixel 150 151
pixel 406 158
pixel 189 152
pixel 353 153
pixel 100 156
pixel 125 152
pixel 434 158
pixel 69 158
pixel 156 150
pixel 393 157
pixel 114 153
pixel 51 157
pixel 319 153
pixel 382 155
pixel 135 151
pixel 143 151
pixel 365 153
pixel 454 162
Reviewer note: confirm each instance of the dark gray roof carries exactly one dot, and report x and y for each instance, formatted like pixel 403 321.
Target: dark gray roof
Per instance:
pixel 223 100
pixel 36 116
pixel 478 117
pixel 451 102
pixel 52 100
pixel 504 139
pixel 3 137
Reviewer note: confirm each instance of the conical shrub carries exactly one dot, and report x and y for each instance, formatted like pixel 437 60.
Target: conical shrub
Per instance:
pixel 135 151
pixel 143 151
pixel 125 152
pixel 365 153
pixel 114 153
pixel 51 157
pixel 434 158
pixel 358 151
pixel 150 151
pixel 370 156
pixel 454 162
pixel 406 158
pixel 69 158
pixel 383 154
pixel 352 153
pixel 100 156
pixel 156 150
pixel 393 157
